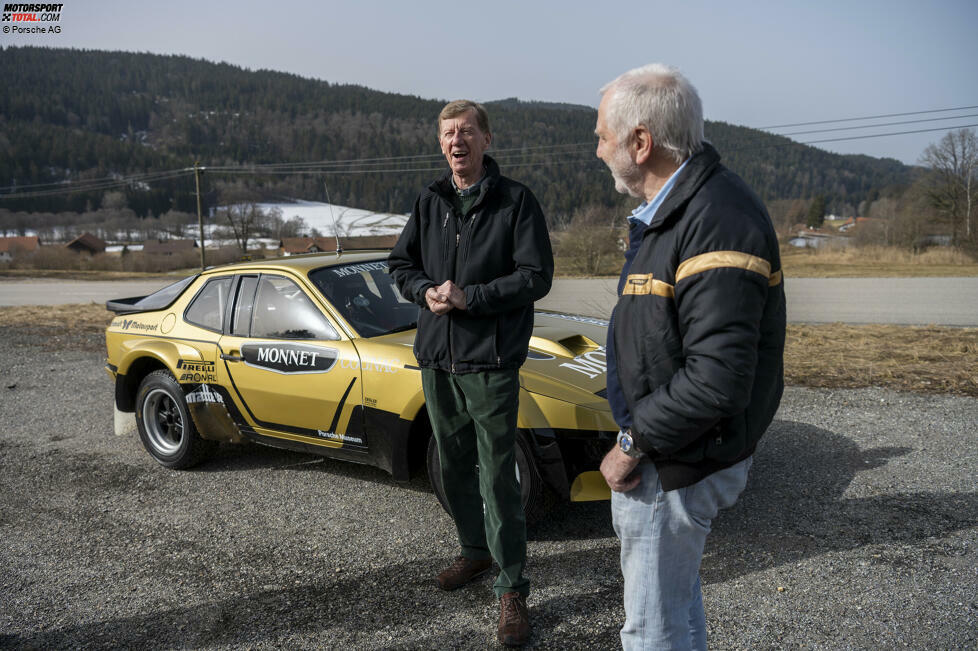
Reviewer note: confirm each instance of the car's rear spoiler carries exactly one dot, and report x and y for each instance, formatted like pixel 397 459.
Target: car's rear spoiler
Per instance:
pixel 125 305
pixel 158 300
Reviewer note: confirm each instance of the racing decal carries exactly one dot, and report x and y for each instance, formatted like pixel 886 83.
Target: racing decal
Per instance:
pixel 576 318
pixel 132 324
pixel 342 438
pixel 204 394
pixel 351 269
pixel 192 370
pixel 377 365
pixel 592 363
pixel 208 408
pixel 289 358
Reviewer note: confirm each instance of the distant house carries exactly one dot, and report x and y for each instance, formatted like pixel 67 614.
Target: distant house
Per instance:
pixel 168 247
pixel 810 238
pixel 11 247
pixel 86 243
pixel 300 245
pixel 369 242
pixel 853 222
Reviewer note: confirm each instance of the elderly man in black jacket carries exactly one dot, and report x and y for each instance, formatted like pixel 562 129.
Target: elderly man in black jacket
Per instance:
pixel 695 347
pixel 475 255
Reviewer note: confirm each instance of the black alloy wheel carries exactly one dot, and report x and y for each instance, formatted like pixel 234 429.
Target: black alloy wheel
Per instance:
pixel 165 426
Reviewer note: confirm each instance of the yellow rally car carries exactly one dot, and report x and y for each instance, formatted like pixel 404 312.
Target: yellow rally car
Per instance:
pixel 314 353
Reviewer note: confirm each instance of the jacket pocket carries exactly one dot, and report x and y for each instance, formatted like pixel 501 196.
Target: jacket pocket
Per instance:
pixel 475 339
pixel 431 340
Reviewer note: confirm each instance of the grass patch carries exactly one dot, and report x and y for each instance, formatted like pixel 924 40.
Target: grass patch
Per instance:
pixel 876 262
pixel 94 274
pixel 853 262
pixel 926 359
pixel 87 316
pixel 906 358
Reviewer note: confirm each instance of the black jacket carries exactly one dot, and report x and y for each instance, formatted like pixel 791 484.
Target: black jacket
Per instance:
pixel 499 254
pixel 699 326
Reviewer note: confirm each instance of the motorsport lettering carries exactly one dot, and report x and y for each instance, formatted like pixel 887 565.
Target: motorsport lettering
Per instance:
pixel 31 13
pixel 130 324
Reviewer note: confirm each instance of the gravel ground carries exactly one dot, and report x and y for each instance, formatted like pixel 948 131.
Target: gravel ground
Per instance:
pixel 858 530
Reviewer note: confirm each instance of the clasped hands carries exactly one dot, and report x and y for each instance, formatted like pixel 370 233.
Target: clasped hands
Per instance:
pixel 445 298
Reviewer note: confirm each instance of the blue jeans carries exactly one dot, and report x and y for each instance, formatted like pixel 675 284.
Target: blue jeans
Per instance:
pixel 662 538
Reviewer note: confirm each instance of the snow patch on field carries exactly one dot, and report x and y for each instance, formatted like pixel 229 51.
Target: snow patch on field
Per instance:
pixel 349 221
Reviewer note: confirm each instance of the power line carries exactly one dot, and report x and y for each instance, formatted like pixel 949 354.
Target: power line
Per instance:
pixel 881 124
pixel 92 187
pixel 897 133
pixel 870 117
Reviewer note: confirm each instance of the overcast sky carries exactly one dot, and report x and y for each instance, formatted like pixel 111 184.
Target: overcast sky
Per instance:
pixel 757 63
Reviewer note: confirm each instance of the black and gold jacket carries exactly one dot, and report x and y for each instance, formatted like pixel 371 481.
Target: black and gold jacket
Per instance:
pixel 699 326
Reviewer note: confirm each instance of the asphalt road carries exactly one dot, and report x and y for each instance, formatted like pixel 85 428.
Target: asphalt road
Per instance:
pixel 901 301
pixel 858 530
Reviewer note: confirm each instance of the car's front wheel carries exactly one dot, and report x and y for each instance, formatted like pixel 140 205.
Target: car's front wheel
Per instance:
pixel 164 423
pixel 535 497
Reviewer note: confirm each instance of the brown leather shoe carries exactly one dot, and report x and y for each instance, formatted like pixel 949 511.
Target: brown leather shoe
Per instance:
pixel 461 572
pixel 514 620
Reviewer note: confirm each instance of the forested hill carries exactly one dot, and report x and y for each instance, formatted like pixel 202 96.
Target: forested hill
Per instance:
pixel 79 114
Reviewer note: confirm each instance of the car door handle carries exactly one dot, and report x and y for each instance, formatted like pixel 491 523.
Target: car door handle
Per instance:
pixel 232 358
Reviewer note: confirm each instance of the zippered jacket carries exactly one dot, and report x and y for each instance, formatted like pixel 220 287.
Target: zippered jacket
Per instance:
pixel 499 254
pixel 699 326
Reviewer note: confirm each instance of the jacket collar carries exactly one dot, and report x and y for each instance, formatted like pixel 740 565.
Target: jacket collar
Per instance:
pixel 698 169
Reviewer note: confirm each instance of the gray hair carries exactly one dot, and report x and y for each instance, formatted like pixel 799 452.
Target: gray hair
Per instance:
pixel 662 100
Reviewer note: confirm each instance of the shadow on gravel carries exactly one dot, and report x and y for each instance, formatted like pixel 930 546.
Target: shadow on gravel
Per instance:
pixel 796 507
pixel 248 456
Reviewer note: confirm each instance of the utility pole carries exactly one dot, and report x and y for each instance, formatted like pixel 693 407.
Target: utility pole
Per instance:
pixel 200 216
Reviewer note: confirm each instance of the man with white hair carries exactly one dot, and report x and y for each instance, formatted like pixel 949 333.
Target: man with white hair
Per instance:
pixel 695 348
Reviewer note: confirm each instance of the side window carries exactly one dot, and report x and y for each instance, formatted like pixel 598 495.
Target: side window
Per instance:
pixel 244 306
pixel 283 311
pixel 209 306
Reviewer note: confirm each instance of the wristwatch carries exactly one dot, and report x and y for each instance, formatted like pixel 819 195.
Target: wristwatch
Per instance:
pixel 627 445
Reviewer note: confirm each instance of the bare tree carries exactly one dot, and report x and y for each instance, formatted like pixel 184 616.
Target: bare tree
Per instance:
pixel 953 188
pixel 244 219
pixel 240 213
pixel 590 241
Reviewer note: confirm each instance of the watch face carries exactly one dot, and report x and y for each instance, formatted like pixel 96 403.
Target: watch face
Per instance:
pixel 625 443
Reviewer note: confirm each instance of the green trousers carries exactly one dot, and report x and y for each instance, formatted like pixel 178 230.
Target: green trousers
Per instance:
pixel 473 416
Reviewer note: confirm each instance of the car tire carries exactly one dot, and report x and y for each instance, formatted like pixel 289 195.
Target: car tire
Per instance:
pixel 165 426
pixel 535 497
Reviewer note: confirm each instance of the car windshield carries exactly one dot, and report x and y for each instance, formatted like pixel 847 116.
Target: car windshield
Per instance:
pixel 366 296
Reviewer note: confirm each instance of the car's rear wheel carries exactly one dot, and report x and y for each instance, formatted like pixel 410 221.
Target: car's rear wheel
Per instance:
pixel 164 423
pixel 535 497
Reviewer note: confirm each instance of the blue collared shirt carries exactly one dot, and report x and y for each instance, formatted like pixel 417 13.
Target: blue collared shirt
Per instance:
pixel 637 223
pixel 646 211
